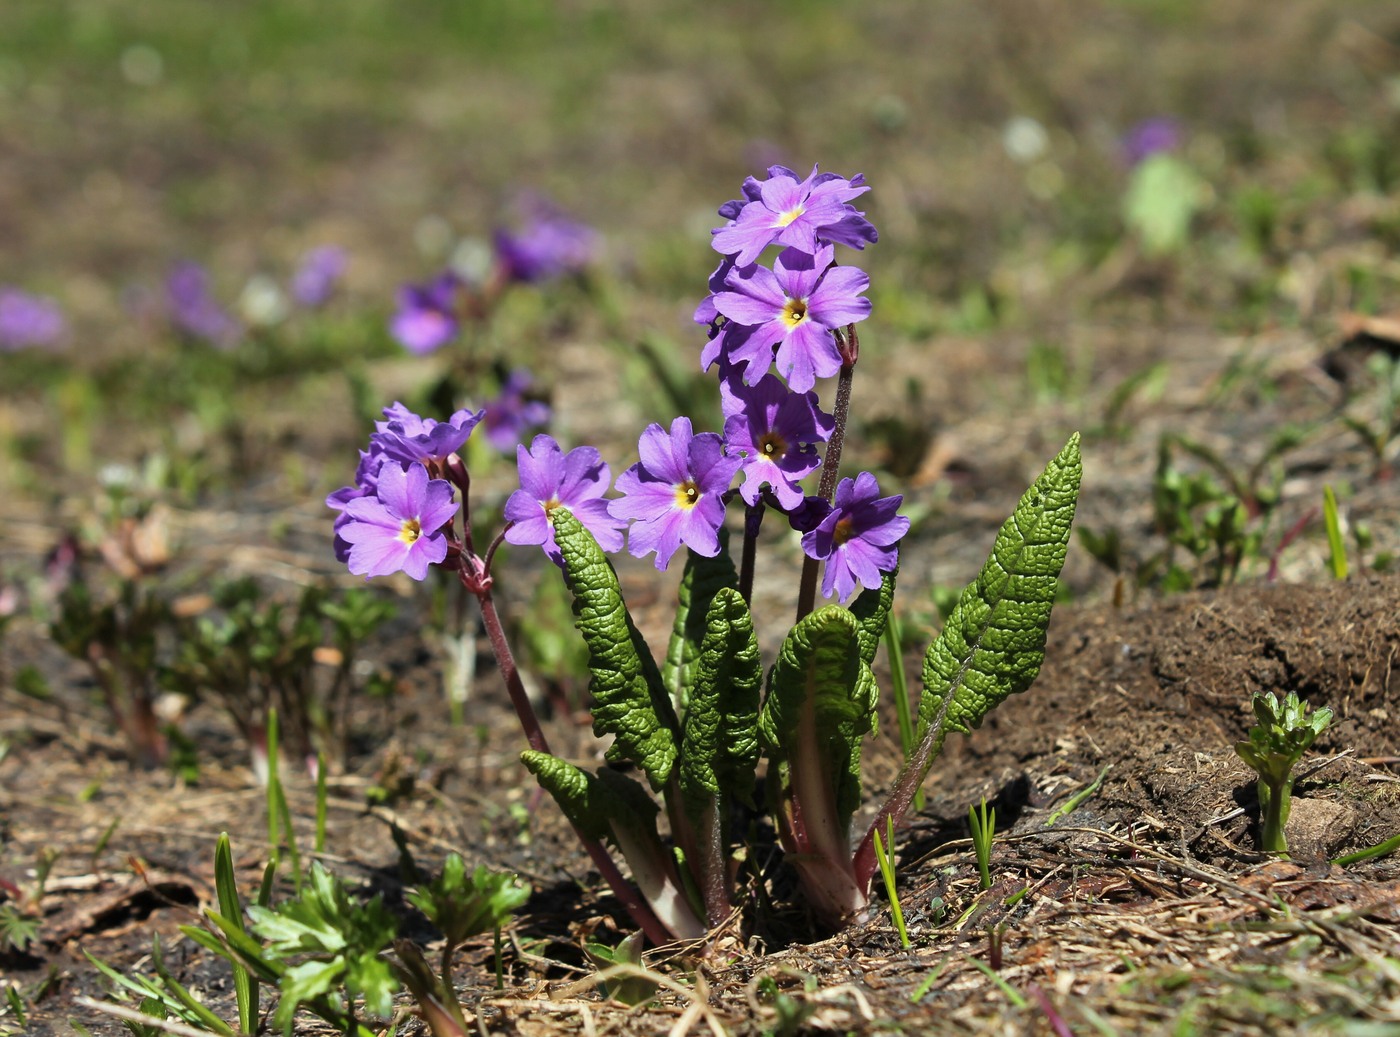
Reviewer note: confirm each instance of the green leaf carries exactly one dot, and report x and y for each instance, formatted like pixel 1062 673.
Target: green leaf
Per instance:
pixel 584 801
pixel 702 579
pixel 994 641
pixel 719 744
pixel 463 907
pixel 820 705
pixel 226 885
pixel 306 982
pixel 1163 196
pixel 629 700
pixel 872 609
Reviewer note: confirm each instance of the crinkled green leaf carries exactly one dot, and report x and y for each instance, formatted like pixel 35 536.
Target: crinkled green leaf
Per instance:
pixel 703 577
pixel 994 641
pixel 719 743
pixel 629 700
pixel 821 704
pixel 576 791
pixel 872 608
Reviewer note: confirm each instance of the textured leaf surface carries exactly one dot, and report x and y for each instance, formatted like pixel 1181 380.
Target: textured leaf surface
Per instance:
pixel 702 579
pixel 719 744
pixel 821 698
pixel 872 609
pixel 577 792
pixel 629 701
pixel 994 641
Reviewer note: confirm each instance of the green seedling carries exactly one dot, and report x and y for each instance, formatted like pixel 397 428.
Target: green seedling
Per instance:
pixel 1284 733
pixel 885 858
pixel 1079 798
pixel 1336 543
pixel 627 980
pixel 983 825
pixel 1379 850
pixel 899 684
pixel 464 906
pixel 118 640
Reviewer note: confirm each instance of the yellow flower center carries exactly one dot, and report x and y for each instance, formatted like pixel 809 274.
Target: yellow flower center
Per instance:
pixel 687 494
pixel 549 507
pixel 410 531
pixel 794 312
pixel 784 218
pixel 771 445
pixel 842 532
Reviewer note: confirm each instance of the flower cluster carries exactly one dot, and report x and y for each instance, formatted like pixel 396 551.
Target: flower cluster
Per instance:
pixel 392 517
pixel 774 332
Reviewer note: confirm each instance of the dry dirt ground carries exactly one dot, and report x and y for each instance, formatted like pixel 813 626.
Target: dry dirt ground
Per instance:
pixel 1145 905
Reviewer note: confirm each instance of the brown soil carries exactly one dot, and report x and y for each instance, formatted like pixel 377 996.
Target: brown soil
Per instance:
pixel 1158 868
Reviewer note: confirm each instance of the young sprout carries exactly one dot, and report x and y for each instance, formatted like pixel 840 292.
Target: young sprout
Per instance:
pixel 983 823
pixel 1276 744
pixel 884 855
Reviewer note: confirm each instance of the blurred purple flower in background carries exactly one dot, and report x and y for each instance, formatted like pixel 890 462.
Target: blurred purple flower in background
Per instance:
pixel 510 415
pixel 319 271
pixel 427 315
pixel 1151 137
pixel 193 309
pixel 28 320
pixel 549 245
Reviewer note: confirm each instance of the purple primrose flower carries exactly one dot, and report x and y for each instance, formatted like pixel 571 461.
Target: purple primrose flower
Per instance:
pixel 510 415
pixel 193 308
pixel 549 245
pixel 399 528
pixel 549 479
pixel 781 210
pixel 796 306
pixel 1150 137
pixel 426 319
pixel 857 539
pixel 317 275
pixel 776 431
pixel 407 438
pixel 28 320
pixel 675 493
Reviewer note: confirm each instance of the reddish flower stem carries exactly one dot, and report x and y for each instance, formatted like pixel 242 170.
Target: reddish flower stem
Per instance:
pixel 473 574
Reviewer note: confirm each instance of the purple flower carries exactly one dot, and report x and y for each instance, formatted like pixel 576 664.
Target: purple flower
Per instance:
pixel 776 431
pixel 787 212
pixel 510 415
pixel 549 479
pixel 399 527
pixel 28 320
pixel 1150 137
pixel 317 275
pixel 675 493
pixel 193 308
pixel 857 537
pixel 407 438
pixel 426 319
pixel 796 306
pixel 549 245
